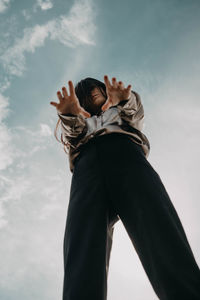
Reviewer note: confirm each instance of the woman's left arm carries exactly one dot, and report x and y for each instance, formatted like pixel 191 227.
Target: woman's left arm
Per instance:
pixel 132 111
pixel 127 100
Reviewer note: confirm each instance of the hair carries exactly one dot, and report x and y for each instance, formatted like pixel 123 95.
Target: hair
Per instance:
pixel 83 91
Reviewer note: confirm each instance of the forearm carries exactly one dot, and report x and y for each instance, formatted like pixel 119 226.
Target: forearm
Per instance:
pixel 72 125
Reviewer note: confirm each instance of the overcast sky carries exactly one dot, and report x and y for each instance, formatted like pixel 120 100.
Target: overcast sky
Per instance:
pixel 152 45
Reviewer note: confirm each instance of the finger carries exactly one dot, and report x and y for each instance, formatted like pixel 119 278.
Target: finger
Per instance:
pixel 128 87
pixel 85 113
pixel 59 95
pixel 121 85
pixel 128 90
pixel 114 82
pixel 64 90
pixel 106 105
pixel 107 81
pixel 71 88
pixel 54 103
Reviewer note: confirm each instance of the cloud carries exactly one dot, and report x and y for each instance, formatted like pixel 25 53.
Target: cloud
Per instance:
pixel 15 163
pixel 26 14
pixel 45 130
pixel 12 189
pixel 6 154
pixel 6 149
pixel 4 110
pixel 4 84
pixel 26 177
pixel 44 5
pixel 33 202
pixel 4 4
pixel 75 29
pixel 3 220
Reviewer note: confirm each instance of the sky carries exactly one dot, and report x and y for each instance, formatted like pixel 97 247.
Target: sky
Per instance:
pixel 152 45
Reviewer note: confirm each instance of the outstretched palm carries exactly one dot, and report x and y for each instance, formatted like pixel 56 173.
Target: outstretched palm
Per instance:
pixel 116 92
pixel 69 104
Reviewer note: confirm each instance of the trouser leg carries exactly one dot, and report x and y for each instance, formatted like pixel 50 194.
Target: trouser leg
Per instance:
pixel 88 235
pixel 151 221
pixel 113 218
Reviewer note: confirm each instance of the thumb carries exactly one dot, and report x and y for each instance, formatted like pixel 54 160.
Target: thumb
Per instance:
pixel 84 113
pixel 106 105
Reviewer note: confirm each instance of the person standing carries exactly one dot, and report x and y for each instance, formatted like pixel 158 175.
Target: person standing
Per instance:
pixel 113 180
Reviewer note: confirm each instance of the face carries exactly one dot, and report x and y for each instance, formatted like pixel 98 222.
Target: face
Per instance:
pixel 98 99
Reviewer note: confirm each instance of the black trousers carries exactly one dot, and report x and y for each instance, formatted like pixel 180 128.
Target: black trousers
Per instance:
pixel 112 179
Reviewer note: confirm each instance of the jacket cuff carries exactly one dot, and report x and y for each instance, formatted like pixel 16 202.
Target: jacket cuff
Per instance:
pixel 131 105
pixel 71 120
pixel 72 125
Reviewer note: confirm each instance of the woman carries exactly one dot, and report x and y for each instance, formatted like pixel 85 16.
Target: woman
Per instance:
pixel 112 179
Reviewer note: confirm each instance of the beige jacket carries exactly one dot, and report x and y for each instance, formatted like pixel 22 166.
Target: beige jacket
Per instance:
pixel 126 117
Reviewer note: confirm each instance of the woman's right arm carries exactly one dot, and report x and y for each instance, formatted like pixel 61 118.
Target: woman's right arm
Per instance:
pixel 73 127
pixel 71 114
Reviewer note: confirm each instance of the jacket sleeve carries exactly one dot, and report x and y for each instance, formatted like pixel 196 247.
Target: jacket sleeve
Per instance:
pixel 132 111
pixel 73 127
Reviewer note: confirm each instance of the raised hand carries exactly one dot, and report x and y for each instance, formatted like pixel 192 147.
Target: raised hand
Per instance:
pixel 69 104
pixel 116 92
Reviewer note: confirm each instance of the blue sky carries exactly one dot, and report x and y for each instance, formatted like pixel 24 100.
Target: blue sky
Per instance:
pixel 152 45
